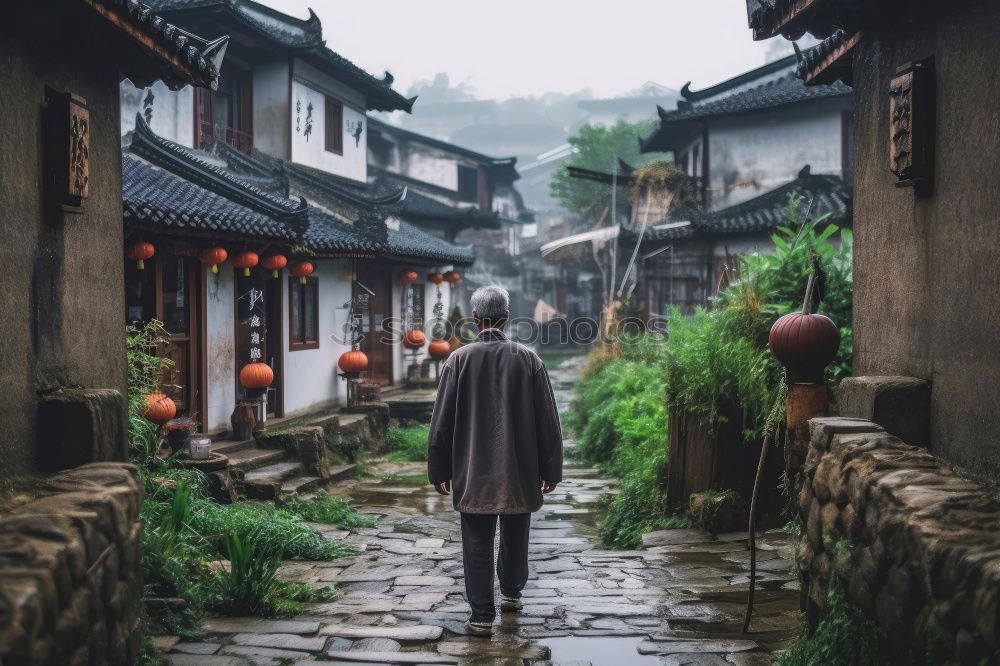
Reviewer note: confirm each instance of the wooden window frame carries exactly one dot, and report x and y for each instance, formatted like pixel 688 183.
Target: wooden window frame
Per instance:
pixel 294 284
pixel 333 137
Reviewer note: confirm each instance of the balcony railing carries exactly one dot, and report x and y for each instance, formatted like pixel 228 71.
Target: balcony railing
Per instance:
pixel 207 135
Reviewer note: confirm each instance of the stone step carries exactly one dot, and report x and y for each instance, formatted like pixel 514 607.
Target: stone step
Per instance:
pixel 299 484
pixel 252 457
pixel 265 482
pixel 229 446
pixel 341 472
pixel 281 470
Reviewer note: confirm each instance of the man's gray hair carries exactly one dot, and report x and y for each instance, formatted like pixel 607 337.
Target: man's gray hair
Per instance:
pixel 490 303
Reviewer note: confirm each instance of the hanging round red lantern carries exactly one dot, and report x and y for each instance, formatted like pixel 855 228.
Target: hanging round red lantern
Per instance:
pixel 213 256
pixel 435 278
pixel 408 276
pixel 439 349
pixel 804 343
pixel 256 375
pixel 159 408
pixel 414 339
pixel 246 261
pixel 274 262
pixel 353 361
pixel 302 270
pixel 452 277
pixel 139 251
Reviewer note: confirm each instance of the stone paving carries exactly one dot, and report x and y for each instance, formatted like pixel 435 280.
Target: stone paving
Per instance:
pixel 678 600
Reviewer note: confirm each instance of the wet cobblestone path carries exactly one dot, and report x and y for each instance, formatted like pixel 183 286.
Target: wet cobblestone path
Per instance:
pixel 677 601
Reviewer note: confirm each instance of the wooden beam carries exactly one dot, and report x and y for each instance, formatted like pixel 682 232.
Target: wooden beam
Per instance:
pixel 145 40
pixel 833 57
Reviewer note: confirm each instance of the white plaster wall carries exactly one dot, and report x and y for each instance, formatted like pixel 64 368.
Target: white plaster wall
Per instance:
pixel 432 166
pixel 310 375
pixel 310 86
pixel 220 348
pixel 271 108
pixel 173 111
pixel 750 155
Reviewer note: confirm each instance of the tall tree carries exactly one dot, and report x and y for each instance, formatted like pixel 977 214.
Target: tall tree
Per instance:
pixel 598 147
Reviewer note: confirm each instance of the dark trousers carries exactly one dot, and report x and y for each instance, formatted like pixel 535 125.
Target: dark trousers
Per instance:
pixel 478 533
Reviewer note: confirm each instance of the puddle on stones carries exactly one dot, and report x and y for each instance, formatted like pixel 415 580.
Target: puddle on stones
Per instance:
pixel 598 650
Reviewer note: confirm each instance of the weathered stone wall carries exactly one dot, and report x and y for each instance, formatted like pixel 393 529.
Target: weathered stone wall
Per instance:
pixel 924 565
pixel 70 587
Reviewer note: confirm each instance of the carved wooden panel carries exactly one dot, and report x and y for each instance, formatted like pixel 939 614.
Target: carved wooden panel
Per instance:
pixel 911 126
pixel 900 136
pixel 79 149
pixel 67 137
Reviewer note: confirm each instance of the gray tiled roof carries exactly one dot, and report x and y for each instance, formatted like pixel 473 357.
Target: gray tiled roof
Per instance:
pixel 159 201
pixel 202 58
pixel 780 92
pixel 821 194
pixel 302 38
pixel 409 240
pixel 170 189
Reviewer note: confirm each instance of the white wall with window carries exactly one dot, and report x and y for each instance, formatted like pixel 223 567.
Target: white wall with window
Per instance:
pixel 329 128
pixel 315 336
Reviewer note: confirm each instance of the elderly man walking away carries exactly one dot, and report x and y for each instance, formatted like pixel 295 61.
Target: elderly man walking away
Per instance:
pixel 495 443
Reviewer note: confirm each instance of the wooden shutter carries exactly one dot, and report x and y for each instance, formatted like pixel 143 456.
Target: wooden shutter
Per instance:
pixel 334 131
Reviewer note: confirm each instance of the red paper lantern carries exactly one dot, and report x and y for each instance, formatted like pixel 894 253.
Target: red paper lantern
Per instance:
pixel 353 361
pixel 408 276
pixel 436 278
pixel 274 263
pixel 439 349
pixel 452 277
pixel 213 256
pixel 804 343
pixel 256 375
pixel 302 270
pixel 414 339
pixel 159 408
pixel 246 261
pixel 139 252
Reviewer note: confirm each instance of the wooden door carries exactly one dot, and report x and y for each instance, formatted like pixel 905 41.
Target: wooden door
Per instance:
pixel 260 295
pixel 377 343
pixel 168 290
pixel 178 309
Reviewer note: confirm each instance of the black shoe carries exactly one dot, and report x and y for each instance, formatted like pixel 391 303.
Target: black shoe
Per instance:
pixel 479 628
pixel 510 604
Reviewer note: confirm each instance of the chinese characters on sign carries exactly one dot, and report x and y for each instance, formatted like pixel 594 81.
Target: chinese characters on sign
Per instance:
pixel 255 322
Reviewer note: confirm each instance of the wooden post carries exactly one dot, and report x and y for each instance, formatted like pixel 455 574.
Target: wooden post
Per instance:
pixel 805 401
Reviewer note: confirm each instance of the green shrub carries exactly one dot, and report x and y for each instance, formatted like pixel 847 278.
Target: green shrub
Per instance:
pixel 321 508
pixel 143 369
pixel 407 444
pixel 840 639
pixel 250 584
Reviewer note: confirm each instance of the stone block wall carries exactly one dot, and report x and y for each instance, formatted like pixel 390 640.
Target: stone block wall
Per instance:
pixel 924 557
pixel 70 583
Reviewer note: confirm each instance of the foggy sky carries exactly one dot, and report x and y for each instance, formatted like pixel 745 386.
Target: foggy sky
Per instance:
pixel 527 47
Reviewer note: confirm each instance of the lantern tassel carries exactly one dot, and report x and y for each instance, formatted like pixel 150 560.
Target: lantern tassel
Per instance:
pixel 302 280
pixel 274 274
pixel 140 264
pixel 215 268
pixel 246 272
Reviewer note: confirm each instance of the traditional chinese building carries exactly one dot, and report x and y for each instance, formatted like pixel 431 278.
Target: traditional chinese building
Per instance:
pixel 275 162
pixel 71 585
pixel 746 144
pixel 924 143
pixel 461 195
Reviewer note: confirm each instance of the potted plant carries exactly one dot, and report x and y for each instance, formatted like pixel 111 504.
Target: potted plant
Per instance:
pixel 179 431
